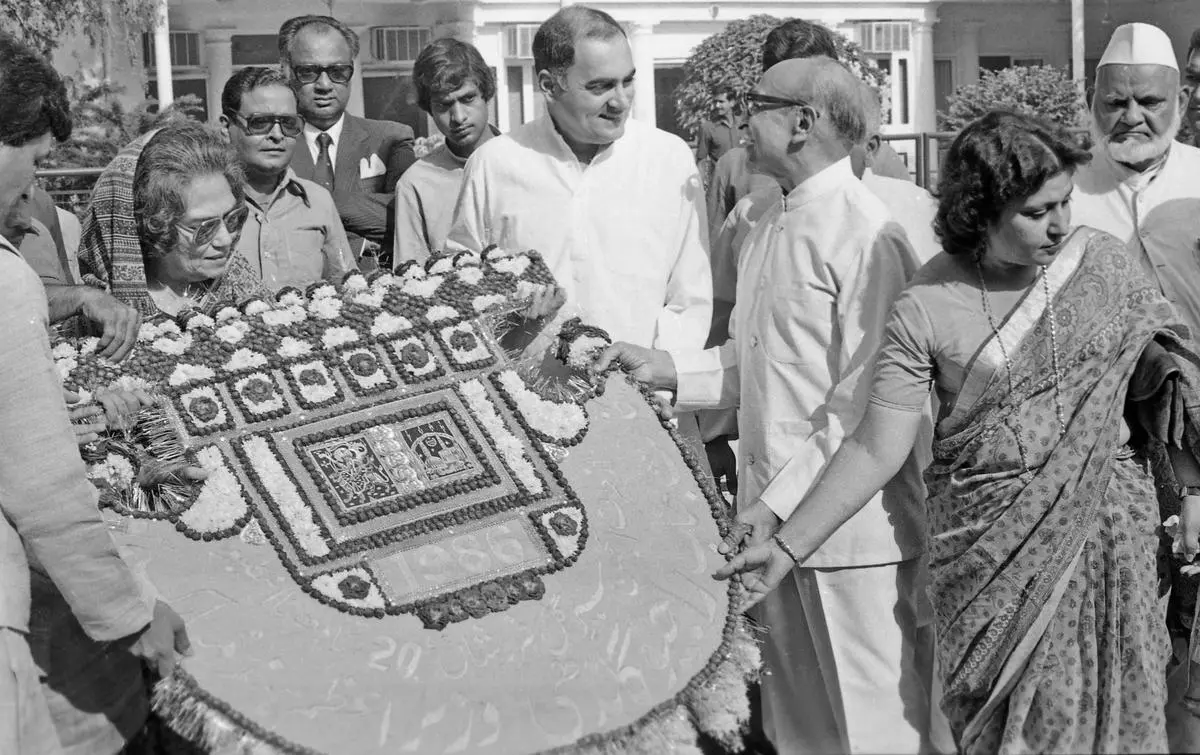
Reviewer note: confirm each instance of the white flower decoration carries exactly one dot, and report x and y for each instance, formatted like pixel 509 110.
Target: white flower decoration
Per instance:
pixel 369 298
pixel 487 301
pixel 512 265
pixel 414 272
pixel 173 346
pixel 169 328
pixel 330 586
pixel 227 313
pixel 234 332
pixel 291 299
pixel 324 291
pixel 386 324
pixel 442 264
pixel 290 348
pixel 200 321
pixel 245 359
pixel 356 282
pixel 562 421
pixel 189 373
pixel 296 514
pixel 88 345
pixel 339 336
pixel 584 350
pixel 384 282
pixel 256 307
pixel 65 367
pixel 290 315
pixel 63 350
pixel 440 312
pixel 148 332
pixel 513 453
pixel 471 275
pixel 325 308
pixel 221 502
pixel 423 287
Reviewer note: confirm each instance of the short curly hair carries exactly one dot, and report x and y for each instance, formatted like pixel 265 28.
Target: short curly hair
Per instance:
pixel 170 161
pixel 996 160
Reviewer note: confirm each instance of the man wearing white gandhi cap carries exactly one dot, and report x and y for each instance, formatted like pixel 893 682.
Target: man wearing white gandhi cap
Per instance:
pixel 1142 186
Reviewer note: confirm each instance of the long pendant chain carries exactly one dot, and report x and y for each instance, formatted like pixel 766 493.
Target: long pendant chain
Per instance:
pixel 1060 414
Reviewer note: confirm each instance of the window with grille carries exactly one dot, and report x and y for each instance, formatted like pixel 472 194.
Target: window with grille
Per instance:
pixel 518 40
pixel 254 49
pixel 185 49
pixel 885 36
pixel 398 43
pixel 1027 62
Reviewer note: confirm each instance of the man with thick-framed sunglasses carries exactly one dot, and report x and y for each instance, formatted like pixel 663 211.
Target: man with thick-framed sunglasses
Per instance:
pixel 358 160
pixel 290 229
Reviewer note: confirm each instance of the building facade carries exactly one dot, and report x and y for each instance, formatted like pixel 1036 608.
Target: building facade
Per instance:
pixel 928 47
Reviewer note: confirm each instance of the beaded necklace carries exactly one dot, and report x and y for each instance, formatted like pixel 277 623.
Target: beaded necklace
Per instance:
pixel 1052 317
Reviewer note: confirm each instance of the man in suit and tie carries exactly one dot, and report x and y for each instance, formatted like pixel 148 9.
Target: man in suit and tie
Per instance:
pixel 358 160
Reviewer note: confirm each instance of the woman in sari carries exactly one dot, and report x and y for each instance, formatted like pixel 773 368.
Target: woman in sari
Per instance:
pixel 164 218
pixel 1043 517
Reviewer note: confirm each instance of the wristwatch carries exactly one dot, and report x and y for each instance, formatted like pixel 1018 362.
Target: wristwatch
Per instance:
pixel 1183 491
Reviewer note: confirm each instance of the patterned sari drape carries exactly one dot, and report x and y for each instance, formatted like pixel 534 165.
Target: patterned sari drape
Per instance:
pixel 1042 560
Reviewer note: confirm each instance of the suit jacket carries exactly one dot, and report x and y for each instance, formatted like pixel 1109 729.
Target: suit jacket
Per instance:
pixel 365 204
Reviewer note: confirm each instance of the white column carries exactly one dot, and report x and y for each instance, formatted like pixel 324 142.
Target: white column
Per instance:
pixel 218 56
pixel 642 40
pixel 1077 44
pixel 356 106
pixel 923 103
pixel 162 56
pixel 968 52
pixel 529 90
pixel 502 120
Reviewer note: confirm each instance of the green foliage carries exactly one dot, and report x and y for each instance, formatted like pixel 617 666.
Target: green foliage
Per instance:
pixel 43 23
pixel 732 59
pixel 1043 91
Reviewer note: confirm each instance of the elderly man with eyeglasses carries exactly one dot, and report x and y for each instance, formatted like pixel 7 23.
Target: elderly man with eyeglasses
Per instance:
pixel 847 659
pixel 292 235
pixel 359 160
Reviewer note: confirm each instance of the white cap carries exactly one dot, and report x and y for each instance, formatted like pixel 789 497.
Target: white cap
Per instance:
pixel 1139 44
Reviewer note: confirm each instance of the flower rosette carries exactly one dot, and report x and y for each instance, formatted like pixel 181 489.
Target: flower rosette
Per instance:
pixel 313 384
pixel 353 589
pixel 466 346
pixel 364 370
pixel 561 423
pixel 413 359
pixel 203 410
pixel 259 397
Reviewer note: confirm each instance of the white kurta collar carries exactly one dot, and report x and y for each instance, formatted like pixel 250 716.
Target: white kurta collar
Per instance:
pixel 820 184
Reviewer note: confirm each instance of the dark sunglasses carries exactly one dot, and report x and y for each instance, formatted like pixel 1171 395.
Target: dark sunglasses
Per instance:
pixel 204 232
pixel 756 103
pixel 257 124
pixel 338 74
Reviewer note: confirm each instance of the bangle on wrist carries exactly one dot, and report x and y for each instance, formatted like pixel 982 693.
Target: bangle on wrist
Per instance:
pixel 783 546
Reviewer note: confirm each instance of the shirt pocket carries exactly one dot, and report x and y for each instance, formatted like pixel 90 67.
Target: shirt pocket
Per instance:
pixel 798 326
pixel 305 247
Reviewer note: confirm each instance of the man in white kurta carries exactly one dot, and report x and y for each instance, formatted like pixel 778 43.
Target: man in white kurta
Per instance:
pixel 847 664
pixel 614 206
pixel 1142 186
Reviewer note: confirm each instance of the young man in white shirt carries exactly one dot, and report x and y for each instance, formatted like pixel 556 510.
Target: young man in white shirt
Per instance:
pixel 455 87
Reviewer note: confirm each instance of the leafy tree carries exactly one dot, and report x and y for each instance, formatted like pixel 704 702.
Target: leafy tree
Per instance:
pixel 43 23
pixel 1035 90
pixel 101 127
pixel 732 59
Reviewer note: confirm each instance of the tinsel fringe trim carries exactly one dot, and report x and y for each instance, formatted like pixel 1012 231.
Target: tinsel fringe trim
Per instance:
pixel 715 703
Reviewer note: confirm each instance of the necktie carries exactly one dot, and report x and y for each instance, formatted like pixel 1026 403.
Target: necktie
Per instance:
pixel 323 171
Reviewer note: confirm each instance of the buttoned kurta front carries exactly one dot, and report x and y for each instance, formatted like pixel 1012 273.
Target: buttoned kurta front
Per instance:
pixel 296 238
pixel 1156 213
pixel 816 281
pixel 624 235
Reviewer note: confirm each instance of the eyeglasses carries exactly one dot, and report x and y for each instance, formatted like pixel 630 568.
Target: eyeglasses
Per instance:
pixel 338 74
pixel 206 230
pixel 257 124
pixel 757 103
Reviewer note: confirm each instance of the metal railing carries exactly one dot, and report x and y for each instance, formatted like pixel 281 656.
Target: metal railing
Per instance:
pixel 927 151
pixel 71 188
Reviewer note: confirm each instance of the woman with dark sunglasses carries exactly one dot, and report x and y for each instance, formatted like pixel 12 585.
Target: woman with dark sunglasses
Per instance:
pixel 188 202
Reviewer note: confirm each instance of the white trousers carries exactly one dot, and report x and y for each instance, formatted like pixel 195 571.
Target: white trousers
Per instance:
pixel 848 662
